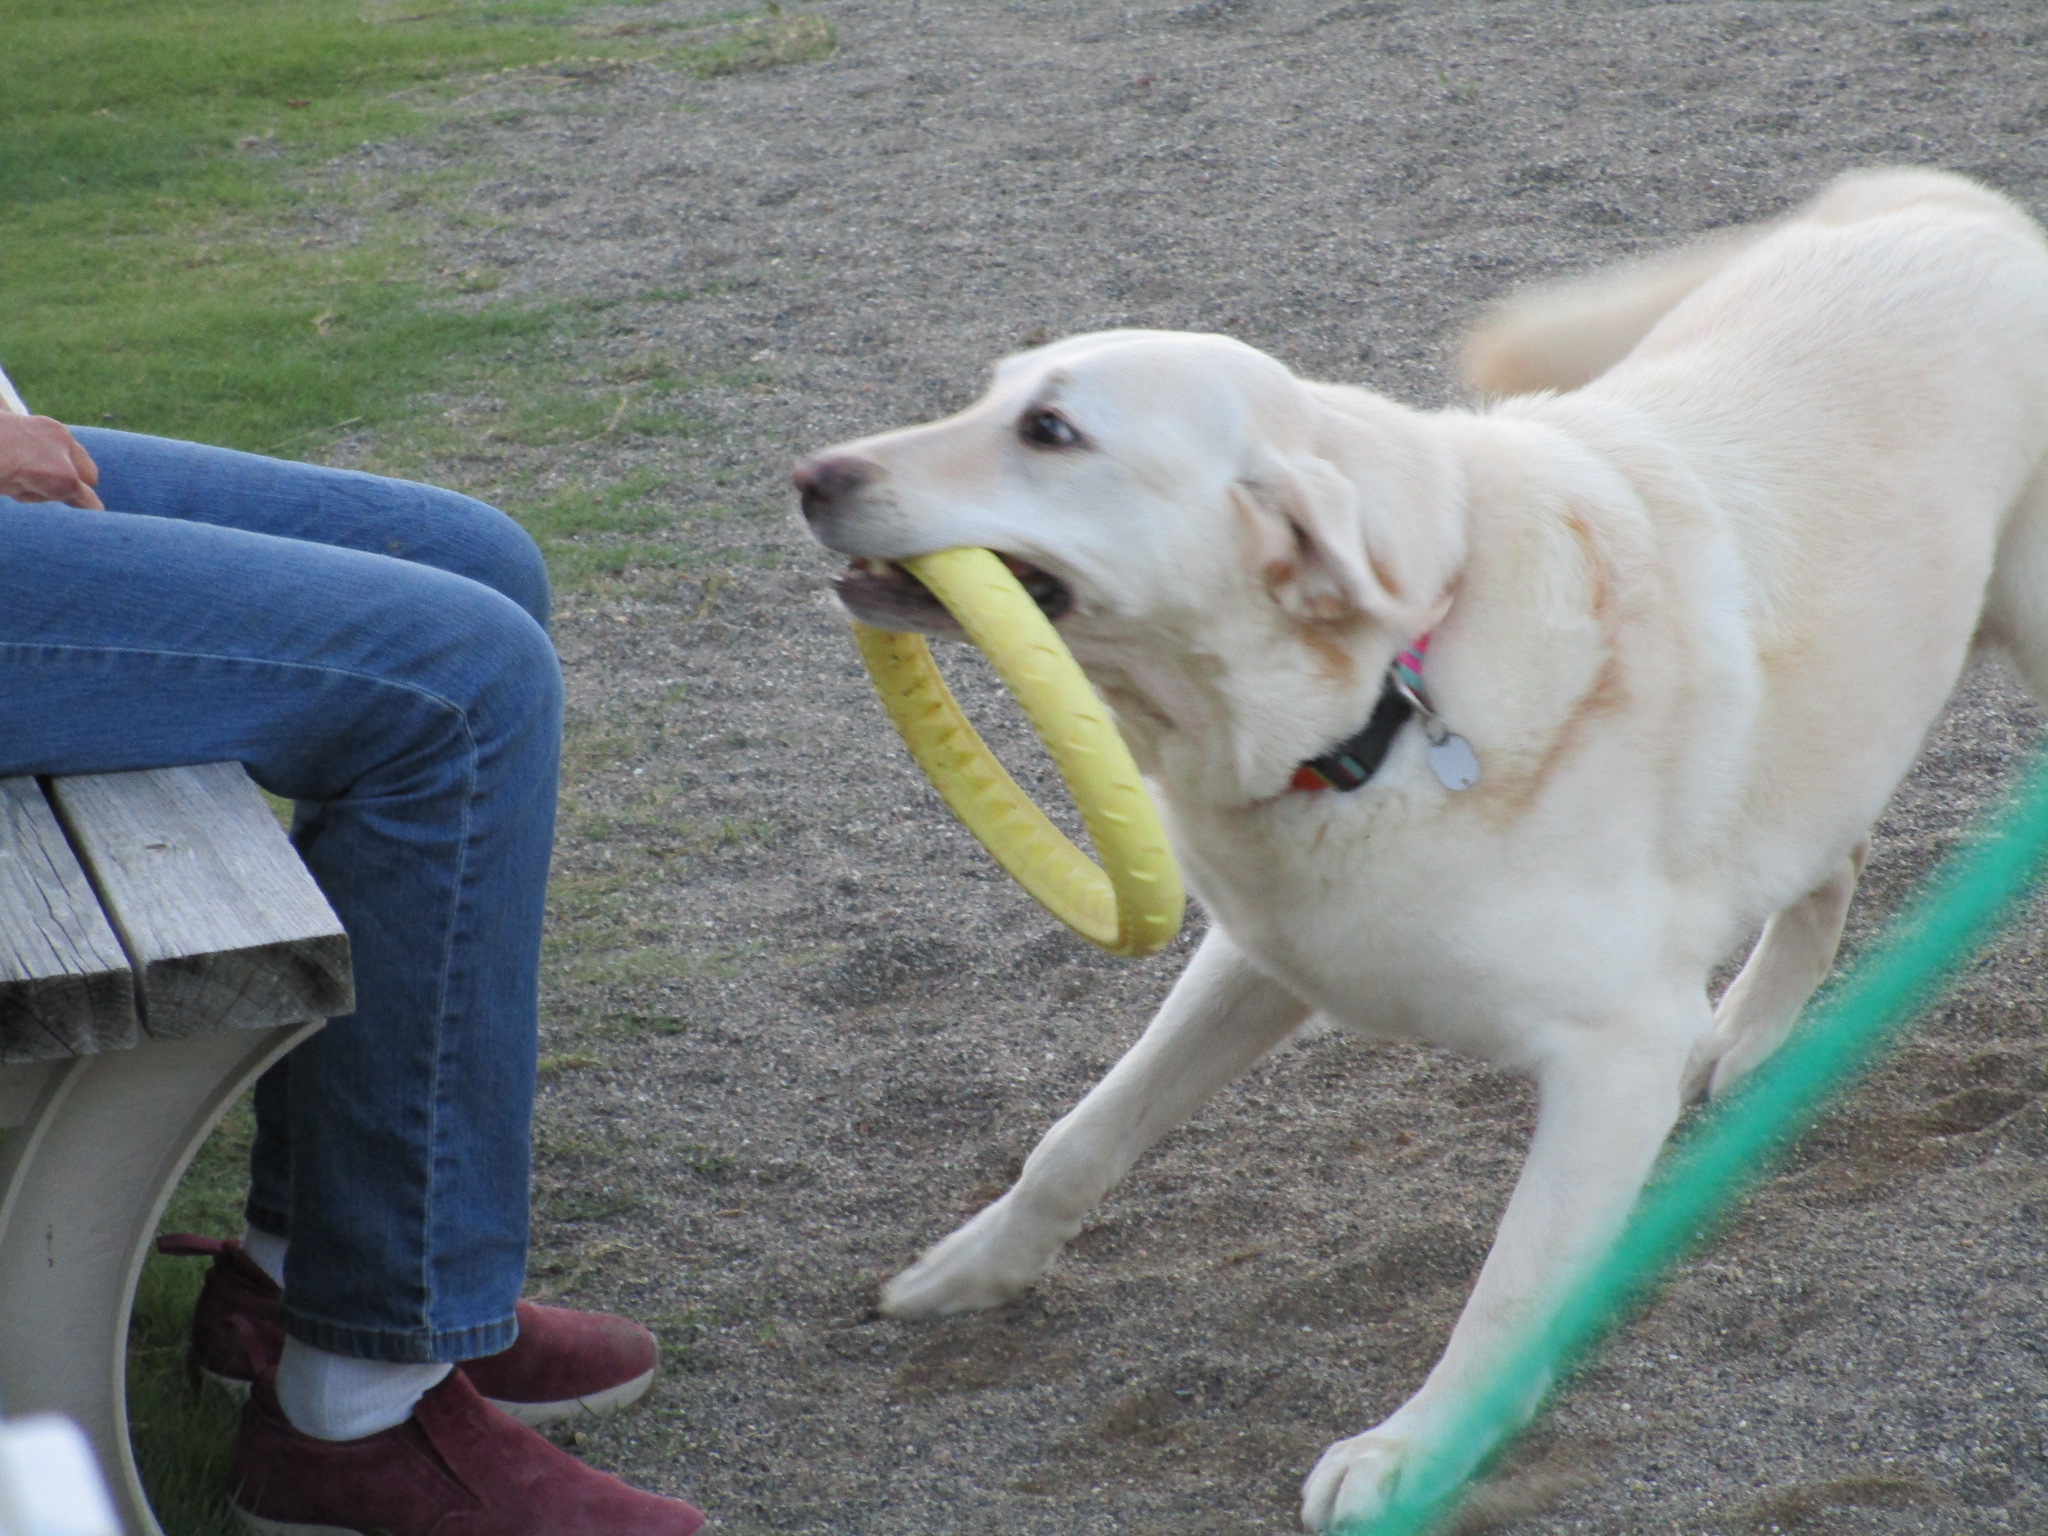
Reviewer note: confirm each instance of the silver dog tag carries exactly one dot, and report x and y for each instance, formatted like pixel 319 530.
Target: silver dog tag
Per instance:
pixel 1451 757
pixel 1453 761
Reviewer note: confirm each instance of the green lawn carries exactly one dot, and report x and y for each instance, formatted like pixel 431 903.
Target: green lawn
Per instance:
pixel 187 254
pixel 166 270
pixel 181 1431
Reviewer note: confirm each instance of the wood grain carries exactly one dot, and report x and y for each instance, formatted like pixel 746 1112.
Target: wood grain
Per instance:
pixel 224 926
pixel 65 984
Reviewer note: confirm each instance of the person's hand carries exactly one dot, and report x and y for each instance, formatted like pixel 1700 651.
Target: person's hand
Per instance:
pixel 41 461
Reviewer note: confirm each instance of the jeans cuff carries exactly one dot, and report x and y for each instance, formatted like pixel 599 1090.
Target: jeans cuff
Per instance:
pixel 403 1346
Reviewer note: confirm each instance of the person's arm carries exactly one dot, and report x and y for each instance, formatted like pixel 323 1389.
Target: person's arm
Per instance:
pixel 41 461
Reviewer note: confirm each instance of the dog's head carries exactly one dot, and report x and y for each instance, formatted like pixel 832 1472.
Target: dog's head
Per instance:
pixel 1232 553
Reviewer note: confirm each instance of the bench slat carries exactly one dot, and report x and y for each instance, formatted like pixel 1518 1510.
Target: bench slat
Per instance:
pixel 224 926
pixel 65 985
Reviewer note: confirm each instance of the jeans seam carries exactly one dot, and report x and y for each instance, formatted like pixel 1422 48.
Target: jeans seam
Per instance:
pixel 456 919
pixel 255 661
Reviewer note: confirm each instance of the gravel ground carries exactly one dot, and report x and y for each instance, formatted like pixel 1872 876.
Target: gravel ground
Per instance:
pixel 798 1026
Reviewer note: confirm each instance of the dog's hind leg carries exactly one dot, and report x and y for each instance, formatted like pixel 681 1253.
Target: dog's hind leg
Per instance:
pixel 1605 1102
pixel 1221 1017
pixel 1791 958
pixel 2015 618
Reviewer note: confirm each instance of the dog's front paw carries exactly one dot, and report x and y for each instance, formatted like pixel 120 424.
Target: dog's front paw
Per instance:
pixel 993 1259
pixel 1354 1481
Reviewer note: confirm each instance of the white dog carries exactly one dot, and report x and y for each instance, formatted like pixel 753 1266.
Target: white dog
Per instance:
pixel 1688 619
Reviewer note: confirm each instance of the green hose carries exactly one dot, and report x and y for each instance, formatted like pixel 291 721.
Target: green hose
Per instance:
pixel 1976 891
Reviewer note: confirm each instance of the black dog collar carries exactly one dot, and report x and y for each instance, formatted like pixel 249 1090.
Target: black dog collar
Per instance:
pixel 1356 759
pixel 1351 762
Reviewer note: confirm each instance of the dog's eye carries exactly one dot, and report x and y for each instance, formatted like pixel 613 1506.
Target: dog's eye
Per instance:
pixel 1048 429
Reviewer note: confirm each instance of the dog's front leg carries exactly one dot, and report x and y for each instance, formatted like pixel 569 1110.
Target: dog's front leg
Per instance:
pixel 1222 1015
pixel 1605 1105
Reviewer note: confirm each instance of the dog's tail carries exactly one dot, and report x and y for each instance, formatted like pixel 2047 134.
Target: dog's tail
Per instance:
pixel 1562 335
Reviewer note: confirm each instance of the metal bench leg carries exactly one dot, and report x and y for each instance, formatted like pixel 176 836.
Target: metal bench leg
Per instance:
pixel 83 1184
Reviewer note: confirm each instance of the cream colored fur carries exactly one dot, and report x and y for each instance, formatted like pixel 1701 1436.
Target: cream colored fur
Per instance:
pixel 1705 602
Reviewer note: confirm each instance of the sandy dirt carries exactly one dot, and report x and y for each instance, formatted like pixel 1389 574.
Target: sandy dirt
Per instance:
pixel 799 1026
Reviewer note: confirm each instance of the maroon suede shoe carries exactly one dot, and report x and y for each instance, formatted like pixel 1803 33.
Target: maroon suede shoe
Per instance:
pixel 236 1334
pixel 567 1362
pixel 457 1467
pixel 563 1363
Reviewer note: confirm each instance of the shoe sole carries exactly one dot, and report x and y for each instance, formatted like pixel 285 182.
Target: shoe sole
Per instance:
pixel 532 1415
pixel 597 1405
pixel 234 1387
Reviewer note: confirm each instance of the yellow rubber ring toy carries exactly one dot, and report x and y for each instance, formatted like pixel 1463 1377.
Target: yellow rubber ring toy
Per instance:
pixel 1131 904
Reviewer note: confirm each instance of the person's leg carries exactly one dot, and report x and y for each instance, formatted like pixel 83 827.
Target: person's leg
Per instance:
pixel 414 714
pixel 424 524
pixel 421 711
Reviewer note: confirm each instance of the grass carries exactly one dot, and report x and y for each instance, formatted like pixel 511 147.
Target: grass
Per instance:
pixel 592 531
pixel 643 963
pixel 628 1026
pixel 181 1429
pixel 187 255
pixel 172 270
pixel 205 239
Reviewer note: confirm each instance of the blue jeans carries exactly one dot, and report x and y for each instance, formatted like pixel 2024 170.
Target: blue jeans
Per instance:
pixel 377 652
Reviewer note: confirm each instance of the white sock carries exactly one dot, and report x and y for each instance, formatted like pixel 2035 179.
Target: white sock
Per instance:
pixel 335 1397
pixel 267 1249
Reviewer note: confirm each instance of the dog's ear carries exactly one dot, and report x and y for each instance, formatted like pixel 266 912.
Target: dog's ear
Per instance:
pixel 1313 540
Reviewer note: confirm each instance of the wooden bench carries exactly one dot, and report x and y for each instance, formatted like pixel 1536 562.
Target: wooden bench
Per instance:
pixel 160 945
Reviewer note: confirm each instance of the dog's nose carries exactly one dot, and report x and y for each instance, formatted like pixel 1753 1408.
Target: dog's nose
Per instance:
pixel 821 482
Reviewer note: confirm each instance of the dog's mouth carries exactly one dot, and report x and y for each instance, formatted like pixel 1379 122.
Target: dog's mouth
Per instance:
pixel 884 594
